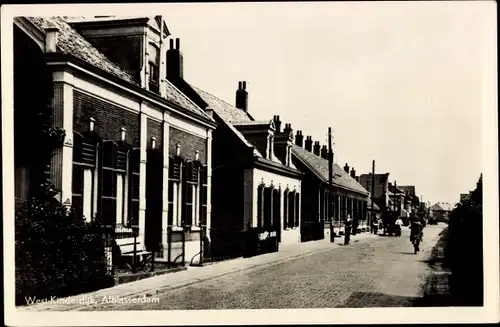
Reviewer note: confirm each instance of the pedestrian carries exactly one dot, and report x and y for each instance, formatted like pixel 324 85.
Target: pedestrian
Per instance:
pixel 348 226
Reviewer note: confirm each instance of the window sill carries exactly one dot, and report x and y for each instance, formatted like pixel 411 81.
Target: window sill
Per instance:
pixel 195 228
pixel 177 228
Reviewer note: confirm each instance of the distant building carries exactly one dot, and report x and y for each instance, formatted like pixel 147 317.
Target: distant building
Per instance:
pixel 381 188
pixel 347 196
pixel 440 211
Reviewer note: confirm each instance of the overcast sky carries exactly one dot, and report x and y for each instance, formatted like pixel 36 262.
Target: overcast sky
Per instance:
pixel 398 82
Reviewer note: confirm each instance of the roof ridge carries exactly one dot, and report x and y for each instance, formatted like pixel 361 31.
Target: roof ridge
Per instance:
pixel 220 99
pixel 189 99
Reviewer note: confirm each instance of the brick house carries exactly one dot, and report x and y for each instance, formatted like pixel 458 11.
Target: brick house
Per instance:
pixel 255 185
pixel 380 189
pixel 137 150
pixel 319 206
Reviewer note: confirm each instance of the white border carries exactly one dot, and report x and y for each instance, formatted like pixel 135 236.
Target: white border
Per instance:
pixel 489 313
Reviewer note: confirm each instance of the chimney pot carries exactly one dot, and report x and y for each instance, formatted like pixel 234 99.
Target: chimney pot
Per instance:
pixel 244 85
pixel 353 173
pixel 324 152
pixel 346 168
pixel 51 39
pixel 171 43
pixel 299 139
pixel 242 97
pixel 177 43
pixel 308 143
pixel 317 148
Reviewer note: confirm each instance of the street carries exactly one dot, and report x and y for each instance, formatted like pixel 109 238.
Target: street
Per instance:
pixel 381 273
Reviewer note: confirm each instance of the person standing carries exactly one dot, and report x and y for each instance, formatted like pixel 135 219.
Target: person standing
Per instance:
pixel 348 226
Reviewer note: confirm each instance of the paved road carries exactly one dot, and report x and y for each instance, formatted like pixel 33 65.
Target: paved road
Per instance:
pixel 380 273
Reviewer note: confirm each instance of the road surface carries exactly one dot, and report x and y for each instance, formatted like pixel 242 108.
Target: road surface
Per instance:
pixel 381 273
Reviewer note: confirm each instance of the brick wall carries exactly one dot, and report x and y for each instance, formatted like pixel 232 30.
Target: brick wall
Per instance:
pixel 108 118
pixel 154 130
pixel 189 144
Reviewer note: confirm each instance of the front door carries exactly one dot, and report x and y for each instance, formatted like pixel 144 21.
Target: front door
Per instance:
pixel 154 187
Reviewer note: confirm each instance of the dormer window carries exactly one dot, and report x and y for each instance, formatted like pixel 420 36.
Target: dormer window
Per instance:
pixel 154 67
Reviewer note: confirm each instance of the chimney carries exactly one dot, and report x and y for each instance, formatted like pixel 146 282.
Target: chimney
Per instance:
pixel 324 152
pixel 346 168
pixel 288 128
pixel 317 148
pixel 277 124
pixel 242 96
pixel 299 139
pixel 51 39
pixel 308 143
pixel 353 173
pixel 174 61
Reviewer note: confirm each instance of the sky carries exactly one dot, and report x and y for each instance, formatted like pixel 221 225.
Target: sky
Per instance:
pixel 399 83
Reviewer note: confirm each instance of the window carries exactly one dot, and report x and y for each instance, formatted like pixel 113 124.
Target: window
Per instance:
pixel 119 188
pixel 85 175
pixel 154 67
pixel 260 206
pixel 268 208
pixel 175 190
pixel 291 209
pixel 297 209
pixel 285 209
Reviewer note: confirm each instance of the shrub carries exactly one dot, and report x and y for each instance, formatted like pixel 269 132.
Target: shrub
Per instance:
pixel 57 253
pixel 464 250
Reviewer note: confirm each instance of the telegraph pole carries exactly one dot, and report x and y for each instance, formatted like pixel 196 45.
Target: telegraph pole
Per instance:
pixel 330 182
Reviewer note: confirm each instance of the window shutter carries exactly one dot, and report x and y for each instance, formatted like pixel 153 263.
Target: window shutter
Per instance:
pixel 203 195
pixel 135 164
pixel 108 184
pixel 77 190
pixel 77 182
pixel 285 209
pixel 187 186
pixel 297 208
pixel 77 147
pixel 171 163
pixel 260 206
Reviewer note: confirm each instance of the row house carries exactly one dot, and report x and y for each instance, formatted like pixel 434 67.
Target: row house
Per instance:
pixel 397 200
pixel 411 202
pixel 379 183
pixel 323 203
pixel 255 184
pixel 137 151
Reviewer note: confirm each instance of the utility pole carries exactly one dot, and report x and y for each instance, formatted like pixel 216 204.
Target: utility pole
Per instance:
pixel 330 182
pixel 373 195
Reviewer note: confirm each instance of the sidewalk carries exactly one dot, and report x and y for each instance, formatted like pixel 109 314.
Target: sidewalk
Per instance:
pixel 158 284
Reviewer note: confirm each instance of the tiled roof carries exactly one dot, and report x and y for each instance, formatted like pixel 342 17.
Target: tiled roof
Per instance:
pixel 320 167
pixel 228 113
pixel 409 188
pixel 441 206
pixel 69 41
pixel 224 110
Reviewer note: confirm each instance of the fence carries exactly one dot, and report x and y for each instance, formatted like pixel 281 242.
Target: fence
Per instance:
pixel 129 250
